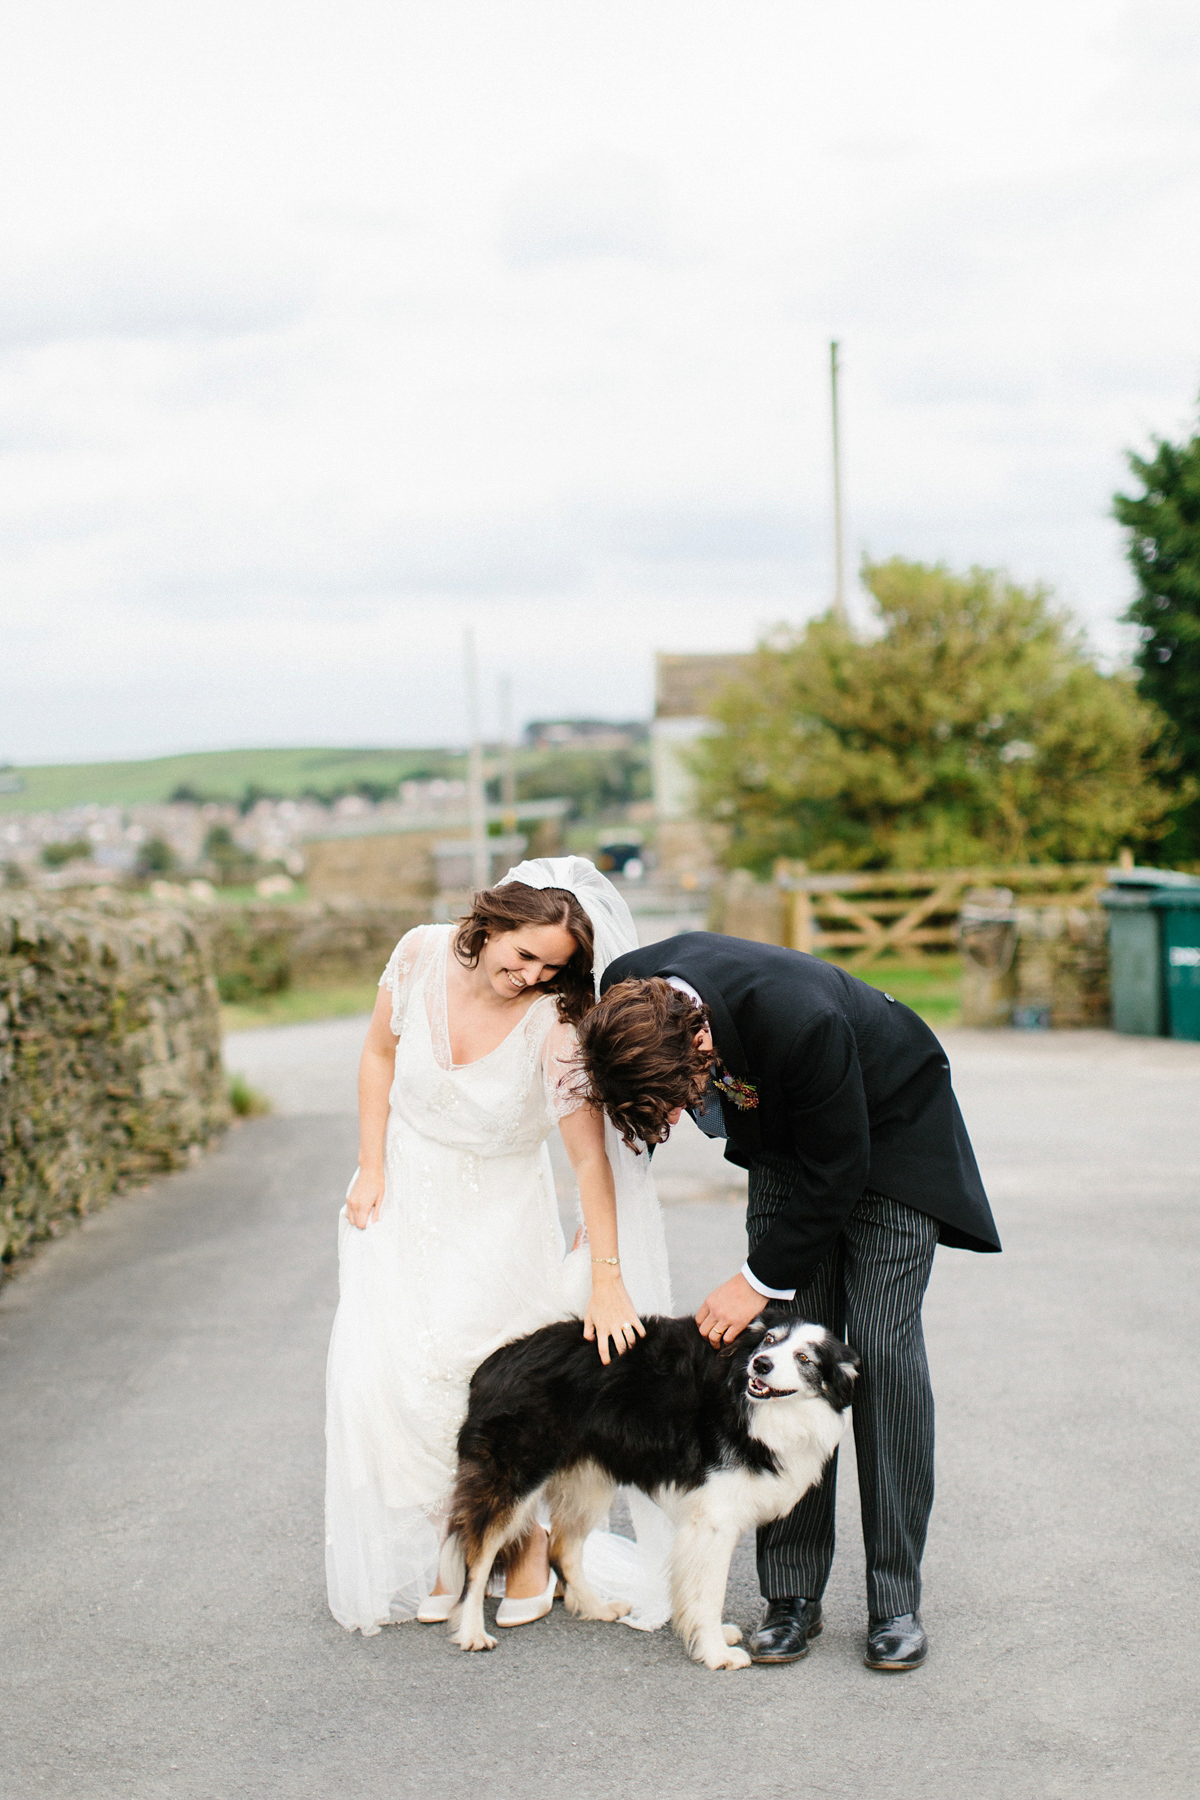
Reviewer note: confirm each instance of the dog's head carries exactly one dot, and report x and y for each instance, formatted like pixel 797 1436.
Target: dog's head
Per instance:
pixel 795 1358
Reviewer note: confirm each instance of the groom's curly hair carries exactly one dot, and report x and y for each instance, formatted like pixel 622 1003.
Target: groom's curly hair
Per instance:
pixel 638 1053
pixel 513 904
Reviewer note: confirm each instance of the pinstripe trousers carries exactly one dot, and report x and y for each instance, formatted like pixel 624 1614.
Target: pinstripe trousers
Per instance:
pixel 868 1292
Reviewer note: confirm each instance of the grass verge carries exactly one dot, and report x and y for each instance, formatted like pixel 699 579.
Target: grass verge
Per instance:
pixel 931 989
pixel 299 1006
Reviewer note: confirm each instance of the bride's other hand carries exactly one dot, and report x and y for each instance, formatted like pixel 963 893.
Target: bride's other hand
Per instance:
pixel 611 1315
pixel 365 1198
pixel 376 1071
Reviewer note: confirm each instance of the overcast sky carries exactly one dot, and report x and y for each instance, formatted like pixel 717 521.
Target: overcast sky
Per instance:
pixel 328 329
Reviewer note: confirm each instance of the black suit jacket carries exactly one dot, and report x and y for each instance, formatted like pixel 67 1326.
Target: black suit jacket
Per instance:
pixel 852 1086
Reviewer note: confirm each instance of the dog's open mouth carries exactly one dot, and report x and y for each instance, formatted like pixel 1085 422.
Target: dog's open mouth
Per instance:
pixel 759 1390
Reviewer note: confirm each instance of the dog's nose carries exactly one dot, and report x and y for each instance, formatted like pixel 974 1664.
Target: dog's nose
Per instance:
pixel 762 1365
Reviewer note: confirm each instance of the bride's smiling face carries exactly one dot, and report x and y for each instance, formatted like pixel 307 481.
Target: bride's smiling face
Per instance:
pixel 525 958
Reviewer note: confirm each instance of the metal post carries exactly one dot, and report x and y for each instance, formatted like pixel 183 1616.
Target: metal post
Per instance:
pixel 508 766
pixel 839 587
pixel 480 861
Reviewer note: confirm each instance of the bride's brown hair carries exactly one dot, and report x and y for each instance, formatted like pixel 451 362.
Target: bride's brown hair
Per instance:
pixel 507 908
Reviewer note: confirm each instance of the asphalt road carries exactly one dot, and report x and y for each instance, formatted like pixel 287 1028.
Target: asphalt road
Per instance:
pixel 163 1628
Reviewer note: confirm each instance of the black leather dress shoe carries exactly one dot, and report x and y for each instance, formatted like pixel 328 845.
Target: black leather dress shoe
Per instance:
pixel 786 1628
pixel 894 1645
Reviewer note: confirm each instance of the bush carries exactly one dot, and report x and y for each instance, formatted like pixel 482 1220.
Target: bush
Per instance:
pixel 246 1101
pixel 156 858
pixel 229 864
pixel 56 856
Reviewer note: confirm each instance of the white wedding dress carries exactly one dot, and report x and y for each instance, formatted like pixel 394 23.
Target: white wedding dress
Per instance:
pixel 467 1253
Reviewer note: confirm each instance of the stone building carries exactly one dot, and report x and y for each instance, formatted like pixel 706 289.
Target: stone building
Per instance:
pixel 684 690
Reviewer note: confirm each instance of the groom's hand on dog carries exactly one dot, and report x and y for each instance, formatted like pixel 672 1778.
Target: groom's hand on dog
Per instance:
pixel 728 1310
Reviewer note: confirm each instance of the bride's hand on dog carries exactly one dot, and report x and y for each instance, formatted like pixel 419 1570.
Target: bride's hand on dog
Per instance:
pixel 365 1198
pixel 611 1316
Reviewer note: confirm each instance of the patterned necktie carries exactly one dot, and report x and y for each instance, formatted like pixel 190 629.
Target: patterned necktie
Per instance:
pixel 709 1117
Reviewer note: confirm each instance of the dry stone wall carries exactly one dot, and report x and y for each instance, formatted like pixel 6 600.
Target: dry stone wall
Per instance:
pixel 110 1055
pixel 262 949
pixel 382 868
pixel 1062 967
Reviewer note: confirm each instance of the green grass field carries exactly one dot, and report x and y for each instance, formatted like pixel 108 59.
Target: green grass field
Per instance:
pixel 218 775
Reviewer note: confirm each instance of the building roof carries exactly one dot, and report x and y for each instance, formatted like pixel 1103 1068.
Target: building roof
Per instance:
pixel 684 686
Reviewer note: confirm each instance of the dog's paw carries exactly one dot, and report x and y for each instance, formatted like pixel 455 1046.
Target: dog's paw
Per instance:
pixel 731 1633
pixel 475 1640
pixel 728 1658
pixel 612 1609
pixel 590 1606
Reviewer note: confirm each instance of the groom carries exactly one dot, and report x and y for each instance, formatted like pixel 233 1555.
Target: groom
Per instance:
pixel 837 1099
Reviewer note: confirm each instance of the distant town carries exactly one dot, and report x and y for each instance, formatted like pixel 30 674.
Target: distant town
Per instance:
pixel 588 784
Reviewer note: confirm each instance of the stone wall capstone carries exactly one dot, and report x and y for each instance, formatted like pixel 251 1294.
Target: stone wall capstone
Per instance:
pixel 110 1055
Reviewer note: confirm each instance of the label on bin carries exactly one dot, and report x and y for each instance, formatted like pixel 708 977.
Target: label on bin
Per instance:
pixel 1184 956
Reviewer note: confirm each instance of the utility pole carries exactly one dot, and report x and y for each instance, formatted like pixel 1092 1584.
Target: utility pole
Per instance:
pixel 476 805
pixel 839 572
pixel 508 767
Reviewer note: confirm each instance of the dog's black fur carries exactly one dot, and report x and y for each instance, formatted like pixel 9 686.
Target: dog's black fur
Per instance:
pixel 546 1416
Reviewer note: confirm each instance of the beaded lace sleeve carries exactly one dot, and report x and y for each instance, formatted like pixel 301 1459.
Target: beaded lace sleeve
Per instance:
pixel 566 1089
pixel 396 976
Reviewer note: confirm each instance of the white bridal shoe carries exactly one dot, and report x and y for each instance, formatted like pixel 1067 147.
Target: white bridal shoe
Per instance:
pixel 524 1612
pixel 435 1609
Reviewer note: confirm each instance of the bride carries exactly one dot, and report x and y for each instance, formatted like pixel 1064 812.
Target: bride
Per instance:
pixel 450 1242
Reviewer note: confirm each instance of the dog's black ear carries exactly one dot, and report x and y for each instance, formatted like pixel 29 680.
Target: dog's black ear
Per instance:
pixel 840 1369
pixel 772 1315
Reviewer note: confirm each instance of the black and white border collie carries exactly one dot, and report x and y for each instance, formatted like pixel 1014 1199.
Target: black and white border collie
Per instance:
pixel 723 1440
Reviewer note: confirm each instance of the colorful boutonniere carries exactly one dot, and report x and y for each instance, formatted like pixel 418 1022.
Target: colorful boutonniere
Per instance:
pixel 742 1094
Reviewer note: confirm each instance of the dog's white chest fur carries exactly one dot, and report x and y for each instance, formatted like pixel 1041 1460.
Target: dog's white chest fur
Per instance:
pixel 803 1435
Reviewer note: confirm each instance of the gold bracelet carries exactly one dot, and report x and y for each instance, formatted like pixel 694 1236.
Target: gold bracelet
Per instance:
pixel 614 1260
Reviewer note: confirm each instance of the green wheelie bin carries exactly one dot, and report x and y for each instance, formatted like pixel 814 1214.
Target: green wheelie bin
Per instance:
pixel 1136 957
pixel 1179 912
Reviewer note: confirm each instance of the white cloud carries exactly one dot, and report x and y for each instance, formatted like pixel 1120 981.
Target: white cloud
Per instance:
pixel 199 284
pixel 595 205
pixel 325 330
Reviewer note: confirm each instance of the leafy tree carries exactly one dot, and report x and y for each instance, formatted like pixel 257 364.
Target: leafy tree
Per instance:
pixel 970 728
pixel 228 862
pixel 595 781
pixel 1163 526
pixel 56 856
pixel 156 857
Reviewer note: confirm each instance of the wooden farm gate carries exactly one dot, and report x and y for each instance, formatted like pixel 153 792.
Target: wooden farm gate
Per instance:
pixel 913 915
